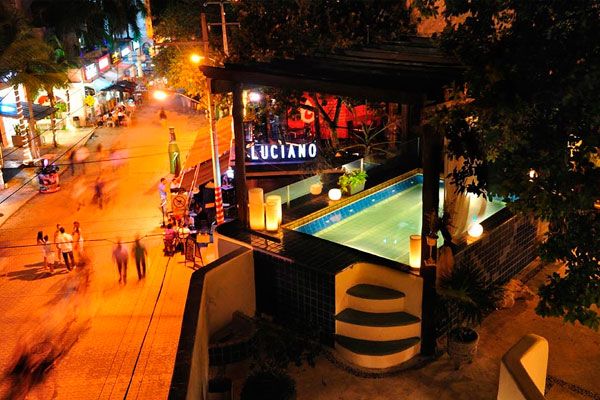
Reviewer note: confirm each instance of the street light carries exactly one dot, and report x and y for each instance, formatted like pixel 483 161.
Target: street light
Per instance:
pixel 159 95
pixel 196 58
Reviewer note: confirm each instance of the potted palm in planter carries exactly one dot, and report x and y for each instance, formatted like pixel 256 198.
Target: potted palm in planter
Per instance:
pixel 352 182
pixel 466 295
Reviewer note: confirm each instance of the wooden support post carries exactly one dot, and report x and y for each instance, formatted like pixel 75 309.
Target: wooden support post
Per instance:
pixel 241 189
pixel 432 166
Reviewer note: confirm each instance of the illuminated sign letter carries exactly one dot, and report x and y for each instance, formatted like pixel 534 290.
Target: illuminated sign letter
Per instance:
pixel 312 150
pixel 302 151
pixel 274 155
pixel 291 152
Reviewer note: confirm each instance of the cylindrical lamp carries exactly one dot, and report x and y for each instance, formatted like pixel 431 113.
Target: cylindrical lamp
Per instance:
pixel 335 194
pixel 316 188
pixel 414 256
pixel 276 198
pixel 256 215
pixel 255 195
pixel 271 214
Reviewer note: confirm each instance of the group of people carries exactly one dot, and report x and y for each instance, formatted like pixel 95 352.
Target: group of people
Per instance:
pixel 63 246
pixel 117 117
pixel 120 256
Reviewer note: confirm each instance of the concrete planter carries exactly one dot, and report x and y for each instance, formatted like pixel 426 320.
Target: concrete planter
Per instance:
pixel 356 188
pixel 462 351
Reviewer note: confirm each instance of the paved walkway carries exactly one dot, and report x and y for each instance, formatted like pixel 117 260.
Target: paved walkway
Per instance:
pixel 115 341
pixel 573 370
pixel 23 185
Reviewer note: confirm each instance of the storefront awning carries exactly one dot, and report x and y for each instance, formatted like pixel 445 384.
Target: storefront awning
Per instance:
pixel 10 110
pixel 110 75
pixel 99 84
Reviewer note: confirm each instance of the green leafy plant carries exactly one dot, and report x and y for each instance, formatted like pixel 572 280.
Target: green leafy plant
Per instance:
pixel 351 178
pixel 467 293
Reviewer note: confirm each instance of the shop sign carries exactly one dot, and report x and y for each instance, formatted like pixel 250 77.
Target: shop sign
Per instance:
pixel 136 45
pixel 307 116
pixel 103 63
pixel 90 72
pixel 125 51
pixel 115 58
pixel 291 152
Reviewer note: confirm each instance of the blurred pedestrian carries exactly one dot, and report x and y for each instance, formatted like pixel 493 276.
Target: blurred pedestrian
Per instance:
pixel 78 193
pixel 139 251
pixel 72 161
pixel 162 116
pixel 120 257
pixel 99 191
pixel 162 190
pixel 77 239
pixel 48 254
pixel 65 244
pixel 55 241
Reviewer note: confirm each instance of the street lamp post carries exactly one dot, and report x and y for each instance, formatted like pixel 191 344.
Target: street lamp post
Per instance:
pixel 214 141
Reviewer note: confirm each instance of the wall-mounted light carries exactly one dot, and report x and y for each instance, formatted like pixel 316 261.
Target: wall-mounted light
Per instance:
pixel 335 194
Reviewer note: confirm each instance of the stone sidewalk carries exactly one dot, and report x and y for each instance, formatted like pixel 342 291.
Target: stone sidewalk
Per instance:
pixel 573 367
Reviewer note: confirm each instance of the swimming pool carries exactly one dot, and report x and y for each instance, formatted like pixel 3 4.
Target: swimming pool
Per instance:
pixel 382 222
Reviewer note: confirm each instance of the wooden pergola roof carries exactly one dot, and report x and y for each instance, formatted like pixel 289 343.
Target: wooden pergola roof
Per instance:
pixel 410 71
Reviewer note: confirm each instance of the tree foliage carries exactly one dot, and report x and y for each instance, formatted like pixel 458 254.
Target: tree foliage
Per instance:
pixel 531 131
pixel 287 28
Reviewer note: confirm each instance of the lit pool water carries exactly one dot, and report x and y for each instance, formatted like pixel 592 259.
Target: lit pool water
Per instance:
pixel 382 222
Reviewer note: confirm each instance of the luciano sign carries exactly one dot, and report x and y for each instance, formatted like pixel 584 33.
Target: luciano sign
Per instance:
pixel 291 152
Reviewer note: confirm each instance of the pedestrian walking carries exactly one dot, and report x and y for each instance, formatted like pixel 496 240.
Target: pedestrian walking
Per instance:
pixel 162 116
pixel 120 257
pixel 77 239
pixel 162 190
pixel 65 244
pixel 139 251
pixel 99 191
pixel 48 254
pixel 72 161
pixel 78 193
pixel 55 241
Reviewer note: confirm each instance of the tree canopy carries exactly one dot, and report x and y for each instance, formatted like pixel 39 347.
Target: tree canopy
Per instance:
pixel 530 129
pixel 286 28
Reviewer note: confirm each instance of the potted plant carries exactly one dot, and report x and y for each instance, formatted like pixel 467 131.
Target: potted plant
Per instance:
pixel 466 295
pixel 352 182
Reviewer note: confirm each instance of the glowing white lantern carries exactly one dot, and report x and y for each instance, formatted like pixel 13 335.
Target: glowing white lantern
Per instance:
pixel 271 214
pixel 414 255
pixel 255 195
pixel 475 230
pixel 256 215
pixel 276 199
pixel 254 97
pixel 335 194
pixel 316 188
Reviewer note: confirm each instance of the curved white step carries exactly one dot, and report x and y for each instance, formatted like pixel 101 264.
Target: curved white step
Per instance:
pixel 377 355
pixel 374 298
pixel 377 326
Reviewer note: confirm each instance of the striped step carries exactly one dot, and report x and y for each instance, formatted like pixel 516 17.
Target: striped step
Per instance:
pixel 377 326
pixel 373 298
pixel 377 354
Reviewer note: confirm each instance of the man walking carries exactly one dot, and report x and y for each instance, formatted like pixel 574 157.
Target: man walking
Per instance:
pixel 162 190
pixel 140 252
pixel 65 244
pixel 120 257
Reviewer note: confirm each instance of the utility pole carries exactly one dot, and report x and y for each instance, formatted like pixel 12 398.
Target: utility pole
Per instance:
pixel 223 24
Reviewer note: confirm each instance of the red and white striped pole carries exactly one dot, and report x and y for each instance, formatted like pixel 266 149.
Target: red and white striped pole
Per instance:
pixel 214 141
